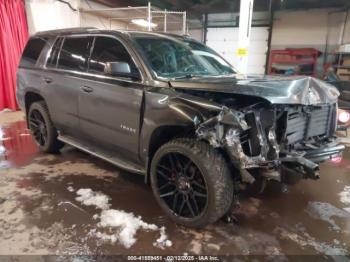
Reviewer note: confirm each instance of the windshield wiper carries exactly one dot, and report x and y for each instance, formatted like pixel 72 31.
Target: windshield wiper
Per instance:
pixel 188 76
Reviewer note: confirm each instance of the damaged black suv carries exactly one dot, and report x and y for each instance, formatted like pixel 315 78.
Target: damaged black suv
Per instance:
pixel 172 109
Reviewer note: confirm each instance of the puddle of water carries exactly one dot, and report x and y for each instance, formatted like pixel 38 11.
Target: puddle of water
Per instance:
pixel 17 146
pixel 327 213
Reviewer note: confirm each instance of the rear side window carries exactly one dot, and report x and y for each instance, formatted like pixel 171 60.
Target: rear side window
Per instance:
pixel 52 60
pixel 32 51
pixel 107 49
pixel 74 53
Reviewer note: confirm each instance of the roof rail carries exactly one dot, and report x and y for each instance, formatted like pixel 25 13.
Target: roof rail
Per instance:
pixel 66 30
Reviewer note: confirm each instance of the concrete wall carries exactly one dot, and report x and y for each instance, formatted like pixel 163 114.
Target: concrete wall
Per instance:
pixel 299 29
pixel 308 28
pixel 51 14
pixel 196 34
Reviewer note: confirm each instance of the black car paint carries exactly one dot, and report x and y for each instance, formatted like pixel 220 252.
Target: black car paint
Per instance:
pixel 133 116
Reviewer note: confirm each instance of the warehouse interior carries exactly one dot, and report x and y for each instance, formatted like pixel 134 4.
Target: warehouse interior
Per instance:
pixel 74 204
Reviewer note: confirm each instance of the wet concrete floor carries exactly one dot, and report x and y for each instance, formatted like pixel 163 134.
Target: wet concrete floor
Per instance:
pixel 39 213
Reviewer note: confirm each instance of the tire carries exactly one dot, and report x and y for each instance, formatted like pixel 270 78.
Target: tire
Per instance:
pixel 208 168
pixel 39 121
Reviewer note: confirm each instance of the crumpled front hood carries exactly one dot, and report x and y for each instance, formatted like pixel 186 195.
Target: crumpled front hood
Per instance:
pixel 277 90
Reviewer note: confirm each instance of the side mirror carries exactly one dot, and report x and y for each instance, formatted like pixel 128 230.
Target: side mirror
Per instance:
pixel 118 69
pixel 121 69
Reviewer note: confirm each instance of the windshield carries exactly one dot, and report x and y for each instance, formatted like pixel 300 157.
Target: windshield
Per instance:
pixel 170 58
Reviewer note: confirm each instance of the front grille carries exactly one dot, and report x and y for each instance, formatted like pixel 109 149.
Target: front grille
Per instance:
pixel 306 122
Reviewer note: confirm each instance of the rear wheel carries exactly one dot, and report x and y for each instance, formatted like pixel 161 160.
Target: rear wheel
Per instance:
pixel 191 182
pixel 40 124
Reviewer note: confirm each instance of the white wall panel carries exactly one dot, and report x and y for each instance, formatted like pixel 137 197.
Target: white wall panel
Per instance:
pixel 225 42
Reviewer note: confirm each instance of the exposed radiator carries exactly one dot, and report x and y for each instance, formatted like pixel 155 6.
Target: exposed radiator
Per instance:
pixel 306 122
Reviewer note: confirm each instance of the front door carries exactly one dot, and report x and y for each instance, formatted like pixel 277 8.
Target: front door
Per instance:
pixel 110 106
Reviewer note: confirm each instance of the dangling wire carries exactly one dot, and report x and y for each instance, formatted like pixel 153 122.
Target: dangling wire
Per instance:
pixel 69 5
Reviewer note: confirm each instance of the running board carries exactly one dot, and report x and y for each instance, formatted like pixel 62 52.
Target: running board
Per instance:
pixel 103 155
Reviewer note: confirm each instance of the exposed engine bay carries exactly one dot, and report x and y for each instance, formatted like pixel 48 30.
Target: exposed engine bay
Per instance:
pixel 283 142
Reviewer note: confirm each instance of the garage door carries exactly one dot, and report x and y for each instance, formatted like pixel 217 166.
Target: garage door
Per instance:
pixel 225 42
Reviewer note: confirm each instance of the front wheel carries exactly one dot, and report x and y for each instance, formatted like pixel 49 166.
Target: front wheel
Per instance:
pixel 191 182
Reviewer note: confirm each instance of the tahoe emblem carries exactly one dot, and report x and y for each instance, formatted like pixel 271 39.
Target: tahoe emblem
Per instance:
pixel 129 129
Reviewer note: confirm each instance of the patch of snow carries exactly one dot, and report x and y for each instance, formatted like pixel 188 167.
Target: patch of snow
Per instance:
pixel 90 198
pixel 92 232
pixel 325 212
pixel 127 223
pixel 107 237
pixel 347 209
pixel 345 195
pixel 163 241
pixel 122 226
pixel 70 188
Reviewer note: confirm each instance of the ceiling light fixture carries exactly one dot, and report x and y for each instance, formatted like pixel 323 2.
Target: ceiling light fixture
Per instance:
pixel 142 22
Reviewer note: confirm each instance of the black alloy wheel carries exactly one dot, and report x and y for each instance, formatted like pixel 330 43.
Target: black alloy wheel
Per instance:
pixel 181 185
pixel 191 182
pixel 42 128
pixel 38 127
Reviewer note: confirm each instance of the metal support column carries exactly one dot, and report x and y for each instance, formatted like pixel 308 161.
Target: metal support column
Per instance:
pixel 184 23
pixel 271 18
pixel 205 28
pixel 165 20
pixel 149 16
pixel 245 23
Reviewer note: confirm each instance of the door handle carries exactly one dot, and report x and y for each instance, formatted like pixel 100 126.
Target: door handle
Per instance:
pixel 47 80
pixel 87 89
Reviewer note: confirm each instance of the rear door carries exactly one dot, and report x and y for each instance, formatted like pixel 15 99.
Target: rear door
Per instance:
pixel 29 76
pixel 64 77
pixel 110 106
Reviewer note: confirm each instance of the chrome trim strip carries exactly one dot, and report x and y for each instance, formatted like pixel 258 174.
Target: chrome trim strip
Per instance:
pixel 120 164
pixel 78 73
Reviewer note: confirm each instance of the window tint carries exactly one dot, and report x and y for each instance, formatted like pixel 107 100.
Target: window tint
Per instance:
pixel 106 50
pixel 32 51
pixel 74 53
pixel 52 61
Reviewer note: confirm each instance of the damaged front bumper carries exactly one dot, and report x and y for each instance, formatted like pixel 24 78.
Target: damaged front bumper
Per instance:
pixel 305 159
pixel 329 151
pixel 225 131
